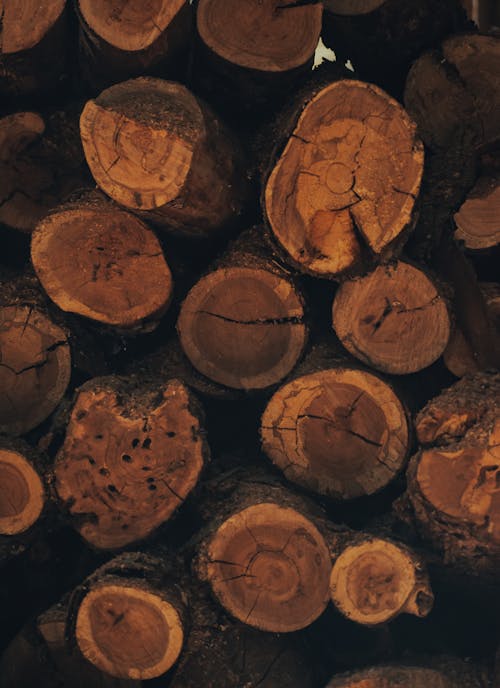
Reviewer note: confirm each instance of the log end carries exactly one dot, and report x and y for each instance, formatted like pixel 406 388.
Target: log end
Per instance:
pixel 22 494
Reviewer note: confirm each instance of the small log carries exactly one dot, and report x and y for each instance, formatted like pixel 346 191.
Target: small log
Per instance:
pixel 132 454
pixel 242 325
pixel 123 278
pixel 477 220
pixel 33 47
pixel 459 675
pixel 374 580
pixel 158 150
pixel 395 319
pixel 346 180
pixel 338 431
pixel 134 38
pixel 41 162
pixel 265 559
pixel 453 479
pixel 128 618
pixel 272 45
pixel 463 78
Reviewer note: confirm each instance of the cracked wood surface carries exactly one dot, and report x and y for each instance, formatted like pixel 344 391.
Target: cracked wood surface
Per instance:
pixel 35 368
pixel 243 327
pixel 347 180
pixel 340 432
pixel 129 460
pixel 153 147
pixel 122 276
pixel 394 319
pixel 266 35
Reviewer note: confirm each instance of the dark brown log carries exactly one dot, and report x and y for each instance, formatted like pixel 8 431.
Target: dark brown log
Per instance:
pixel 33 46
pixel 41 162
pixel 395 319
pixel 158 150
pixel 346 182
pixel 120 40
pixel 129 618
pixel 454 92
pixel 132 454
pixel 123 278
pixel 339 431
pixel 453 675
pixel 453 480
pixel 242 325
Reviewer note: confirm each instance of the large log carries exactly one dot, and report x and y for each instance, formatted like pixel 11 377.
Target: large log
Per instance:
pixel 123 278
pixel 158 150
pixel 118 41
pixel 33 47
pixel 395 319
pixel 133 452
pixel 242 325
pixel 342 193
pixel 129 618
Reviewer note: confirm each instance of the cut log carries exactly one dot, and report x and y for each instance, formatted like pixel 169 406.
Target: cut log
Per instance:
pixel 33 45
pixel 123 278
pixel 40 163
pixel 35 367
pixel 22 492
pixel 153 146
pixel 242 325
pixel 128 617
pixel 120 40
pixel 455 92
pixel 459 355
pixel 264 558
pixel 272 45
pixel 381 40
pixel 341 432
pixel 453 480
pixel 346 181
pixel 459 676
pixel 131 456
pixel 394 319
pixel 374 580
pixel 477 221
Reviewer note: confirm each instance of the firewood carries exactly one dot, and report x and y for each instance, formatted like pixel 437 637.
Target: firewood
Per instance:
pixel 272 45
pixel 338 430
pixel 477 220
pixel 463 76
pixel 453 479
pixel 381 41
pixel 123 278
pixel 41 162
pixel 158 150
pixel 459 675
pixel 346 181
pixel 33 46
pixel 395 319
pixel 242 325
pixel 129 618
pixel 265 559
pixel 132 454
pixel 117 42
pixel 373 580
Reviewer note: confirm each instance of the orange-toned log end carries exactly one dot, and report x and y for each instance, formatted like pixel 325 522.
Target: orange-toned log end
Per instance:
pixel 22 494
pixel 394 319
pixel 348 176
pixel 401 677
pixel 129 631
pixel 35 368
pixel 478 220
pixel 24 24
pixel 152 146
pixel 128 460
pixel 133 25
pixel 243 327
pixel 341 432
pixel 122 276
pixel 269 567
pixel 376 580
pixel 269 35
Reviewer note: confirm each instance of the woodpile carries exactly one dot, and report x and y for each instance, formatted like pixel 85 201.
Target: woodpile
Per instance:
pixel 249 344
